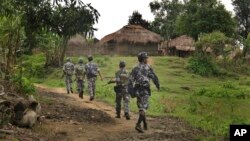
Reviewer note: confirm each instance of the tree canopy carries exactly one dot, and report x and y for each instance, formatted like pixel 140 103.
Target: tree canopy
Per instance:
pixel 204 17
pixel 136 19
pixel 166 13
pixel 242 12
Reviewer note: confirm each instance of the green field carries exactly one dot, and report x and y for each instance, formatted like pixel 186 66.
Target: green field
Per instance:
pixel 210 103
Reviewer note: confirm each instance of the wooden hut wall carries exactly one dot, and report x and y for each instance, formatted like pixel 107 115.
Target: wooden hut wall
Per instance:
pixel 130 49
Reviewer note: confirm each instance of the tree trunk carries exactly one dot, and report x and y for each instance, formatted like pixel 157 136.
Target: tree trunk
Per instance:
pixel 64 48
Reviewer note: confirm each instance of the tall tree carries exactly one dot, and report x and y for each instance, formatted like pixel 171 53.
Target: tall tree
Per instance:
pixel 242 12
pixel 166 13
pixel 205 16
pixel 136 19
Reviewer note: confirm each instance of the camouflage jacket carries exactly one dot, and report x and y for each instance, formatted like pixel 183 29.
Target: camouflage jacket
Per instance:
pixel 91 69
pixel 68 68
pixel 79 71
pixel 141 76
pixel 121 77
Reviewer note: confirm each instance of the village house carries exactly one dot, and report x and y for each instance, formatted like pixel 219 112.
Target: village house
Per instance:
pixel 130 40
pixel 181 46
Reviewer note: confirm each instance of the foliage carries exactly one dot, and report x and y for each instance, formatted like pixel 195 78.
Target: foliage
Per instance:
pixel 23 85
pixel 193 21
pixel 166 13
pixel 246 48
pixel 202 64
pixel 216 41
pixel 136 19
pixel 242 12
pixel 11 36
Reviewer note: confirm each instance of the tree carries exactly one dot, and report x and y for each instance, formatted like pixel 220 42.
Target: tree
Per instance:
pixel 136 19
pixel 69 19
pixel 205 16
pixel 246 48
pixel 242 12
pixel 166 13
pixel 218 42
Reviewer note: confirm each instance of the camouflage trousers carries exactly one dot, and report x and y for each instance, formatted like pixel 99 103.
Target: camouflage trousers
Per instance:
pixel 126 99
pixel 68 81
pixel 91 86
pixel 80 85
pixel 142 99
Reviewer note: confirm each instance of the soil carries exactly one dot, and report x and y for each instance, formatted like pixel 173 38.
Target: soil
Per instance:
pixel 69 118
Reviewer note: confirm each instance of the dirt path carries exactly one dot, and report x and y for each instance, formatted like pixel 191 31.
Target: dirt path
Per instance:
pixel 68 118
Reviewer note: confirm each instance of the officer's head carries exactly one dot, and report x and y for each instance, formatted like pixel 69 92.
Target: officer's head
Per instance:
pixel 80 60
pixel 142 57
pixel 90 58
pixel 122 64
pixel 68 59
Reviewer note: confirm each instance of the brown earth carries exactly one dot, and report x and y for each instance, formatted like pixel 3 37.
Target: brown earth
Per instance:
pixel 68 118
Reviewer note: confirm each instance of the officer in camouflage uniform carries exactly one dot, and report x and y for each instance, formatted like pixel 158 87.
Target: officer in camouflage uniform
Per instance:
pixel 79 73
pixel 121 90
pixel 91 70
pixel 68 71
pixel 139 87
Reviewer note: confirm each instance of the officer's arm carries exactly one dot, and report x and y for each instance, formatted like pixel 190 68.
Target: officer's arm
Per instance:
pixel 154 77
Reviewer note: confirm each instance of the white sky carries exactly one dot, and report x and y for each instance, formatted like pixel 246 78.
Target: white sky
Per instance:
pixel 115 13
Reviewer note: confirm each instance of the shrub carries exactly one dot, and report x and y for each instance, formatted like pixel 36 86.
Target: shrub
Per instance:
pixel 23 85
pixel 203 65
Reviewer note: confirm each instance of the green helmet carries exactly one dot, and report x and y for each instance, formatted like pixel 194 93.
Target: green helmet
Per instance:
pixel 80 60
pixel 122 64
pixel 90 57
pixel 141 56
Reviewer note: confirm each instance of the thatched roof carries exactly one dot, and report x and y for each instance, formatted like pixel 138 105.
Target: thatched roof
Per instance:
pixel 132 34
pixel 184 43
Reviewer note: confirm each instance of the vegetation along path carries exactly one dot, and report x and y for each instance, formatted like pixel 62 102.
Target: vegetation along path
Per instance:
pixel 68 118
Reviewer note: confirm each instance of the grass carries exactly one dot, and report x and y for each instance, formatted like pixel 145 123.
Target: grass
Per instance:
pixel 178 92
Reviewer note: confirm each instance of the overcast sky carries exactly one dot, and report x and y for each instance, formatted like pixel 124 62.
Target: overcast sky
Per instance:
pixel 115 13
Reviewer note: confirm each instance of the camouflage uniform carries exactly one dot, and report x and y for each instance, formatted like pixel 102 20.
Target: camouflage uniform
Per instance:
pixel 68 69
pixel 122 82
pixel 140 81
pixel 79 72
pixel 91 70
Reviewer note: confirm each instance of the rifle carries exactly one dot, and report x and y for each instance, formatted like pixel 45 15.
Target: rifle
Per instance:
pixel 111 80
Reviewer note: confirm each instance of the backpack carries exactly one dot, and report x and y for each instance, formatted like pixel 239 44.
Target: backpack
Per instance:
pixel 91 70
pixel 142 76
pixel 69 69
pixel 80 69
pixel 123 76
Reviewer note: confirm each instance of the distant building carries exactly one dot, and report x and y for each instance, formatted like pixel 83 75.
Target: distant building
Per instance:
pixel 182 46
pixel 78 46
pixel 130 40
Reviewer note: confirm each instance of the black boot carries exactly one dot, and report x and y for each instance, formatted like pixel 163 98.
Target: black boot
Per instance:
pixel 138 128
pixel 127 116
pixel 145 124
pixel 138 124
pixel 81 94
pixel 118 114
pixel 71 90
pixel 67 91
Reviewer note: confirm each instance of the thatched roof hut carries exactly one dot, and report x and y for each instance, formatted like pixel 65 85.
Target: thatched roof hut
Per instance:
pixel 181 46
pixel 130 40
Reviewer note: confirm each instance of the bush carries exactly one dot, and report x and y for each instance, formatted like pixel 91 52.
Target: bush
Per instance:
pixel 23 85
pixel 203 65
